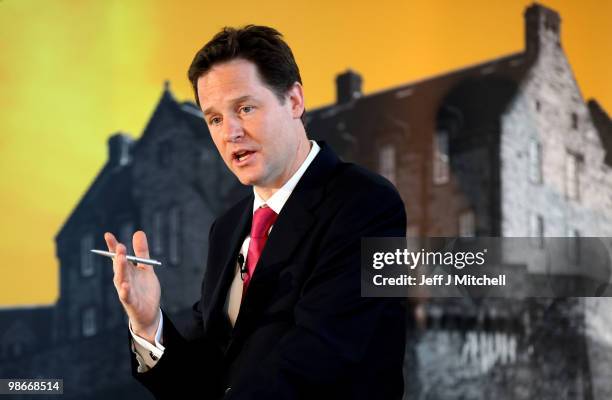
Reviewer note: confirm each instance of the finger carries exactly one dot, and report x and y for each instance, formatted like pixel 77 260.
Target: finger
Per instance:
pixel 120 266
pixel 141 247
pixel 111 242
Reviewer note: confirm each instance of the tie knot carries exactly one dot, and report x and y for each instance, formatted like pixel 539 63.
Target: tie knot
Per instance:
pixel 263 219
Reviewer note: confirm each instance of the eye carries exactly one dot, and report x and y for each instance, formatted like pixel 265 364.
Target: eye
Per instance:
pixel 214 121
pixel 246 109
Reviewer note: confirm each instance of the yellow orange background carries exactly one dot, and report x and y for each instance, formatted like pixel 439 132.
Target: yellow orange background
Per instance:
pixel 73 72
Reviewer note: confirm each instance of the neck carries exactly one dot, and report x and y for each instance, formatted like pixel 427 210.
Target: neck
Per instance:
pixel 303 149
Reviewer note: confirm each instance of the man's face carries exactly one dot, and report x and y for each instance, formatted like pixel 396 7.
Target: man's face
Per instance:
pixel 254 132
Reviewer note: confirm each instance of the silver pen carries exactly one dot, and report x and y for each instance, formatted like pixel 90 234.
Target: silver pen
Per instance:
pixel 134 259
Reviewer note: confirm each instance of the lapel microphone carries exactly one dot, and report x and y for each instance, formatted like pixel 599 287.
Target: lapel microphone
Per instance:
pixel 242 265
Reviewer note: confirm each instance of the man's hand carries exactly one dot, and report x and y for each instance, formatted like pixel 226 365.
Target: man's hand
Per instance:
pixel 137 286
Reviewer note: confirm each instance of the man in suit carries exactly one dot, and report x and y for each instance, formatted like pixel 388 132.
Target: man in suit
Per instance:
pixel 281 315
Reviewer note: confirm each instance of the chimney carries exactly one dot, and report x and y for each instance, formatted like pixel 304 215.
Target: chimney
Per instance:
pixel 119 146
pixel 542 28
pixel 348 87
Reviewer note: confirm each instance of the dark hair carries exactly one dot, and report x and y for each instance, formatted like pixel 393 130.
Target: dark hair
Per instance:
pixel 261 45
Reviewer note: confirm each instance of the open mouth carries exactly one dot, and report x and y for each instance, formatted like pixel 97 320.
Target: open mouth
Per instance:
pixel 242 155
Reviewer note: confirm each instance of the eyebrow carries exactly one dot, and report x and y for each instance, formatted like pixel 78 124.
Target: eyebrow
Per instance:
pixel 240 99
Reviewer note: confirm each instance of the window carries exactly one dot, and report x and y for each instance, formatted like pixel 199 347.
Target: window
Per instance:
pixel 536 230
pixel 441 167
pixel 89 322
pixel 386 162
pixel 174 237
pixel 535 162
pixel 572 182
pixel 158 226
pixel 87 260
pixel 467 224
pixel 574 121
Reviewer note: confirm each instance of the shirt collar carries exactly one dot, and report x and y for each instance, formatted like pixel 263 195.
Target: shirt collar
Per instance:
pixel 277 201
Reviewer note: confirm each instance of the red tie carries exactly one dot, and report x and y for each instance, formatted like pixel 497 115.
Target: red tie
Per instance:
pixel 263 219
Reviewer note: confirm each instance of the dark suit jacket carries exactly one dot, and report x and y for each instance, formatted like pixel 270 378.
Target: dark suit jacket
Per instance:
pixel 303 331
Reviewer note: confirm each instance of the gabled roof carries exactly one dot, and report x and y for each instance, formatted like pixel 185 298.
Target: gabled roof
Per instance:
pixel 417 102
pixel 186 112
pixel 511 67
pixel 117 178
pixel 111 179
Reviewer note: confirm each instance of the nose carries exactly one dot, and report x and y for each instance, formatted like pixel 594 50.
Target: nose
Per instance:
pixel 232 129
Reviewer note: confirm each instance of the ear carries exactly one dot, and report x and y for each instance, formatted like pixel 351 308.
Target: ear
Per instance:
pixel 295 97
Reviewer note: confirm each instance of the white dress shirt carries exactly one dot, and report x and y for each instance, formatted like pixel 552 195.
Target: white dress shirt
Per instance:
pixel 148 354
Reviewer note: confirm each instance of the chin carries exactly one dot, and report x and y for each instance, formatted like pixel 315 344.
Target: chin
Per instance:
pixel 247 180
pixel 250 176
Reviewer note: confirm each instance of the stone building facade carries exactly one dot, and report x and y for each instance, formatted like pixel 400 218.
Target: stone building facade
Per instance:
pixel 504 148
pixel 555 177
